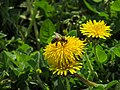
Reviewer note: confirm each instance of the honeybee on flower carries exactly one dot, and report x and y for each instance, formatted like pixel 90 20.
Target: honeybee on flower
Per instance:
pixel 63 53
pixel 58 38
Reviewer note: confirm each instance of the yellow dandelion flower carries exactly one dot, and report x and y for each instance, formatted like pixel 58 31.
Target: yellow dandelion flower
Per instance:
pixel 65 69
pixel 95 29
pixel 62 57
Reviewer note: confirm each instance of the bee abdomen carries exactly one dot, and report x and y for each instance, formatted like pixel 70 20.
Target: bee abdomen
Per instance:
pixel 54 40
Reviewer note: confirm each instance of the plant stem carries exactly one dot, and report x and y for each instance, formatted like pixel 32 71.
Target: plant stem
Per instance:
pixel 67 83
pixel 38 60
pixel 89 63
pixel 87 82
pixel 33 14
pixel 40 83
pixel 36 34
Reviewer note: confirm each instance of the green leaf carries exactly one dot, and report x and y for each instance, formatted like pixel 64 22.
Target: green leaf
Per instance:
pixel 10 41
pixel 25 48
pixel 72 81
pixel 22 57
pixel 72 33
pixel 10 59
pixel 110 84
pixel 10 55
pixel 3 74
pixel 97 1
pixel 116 5
pixel 17 71
pixel 99 87
pixel 117 87
pixel 103 14
pixel 50 39
pixel 61 85
pixel 101 55
pixel 45 6
pixel 47 29
pixel 2 35
pixel 33 83
pixel 32 63
pixel 67 84
pixel 42 61
pixel 116 50
pixel 90 7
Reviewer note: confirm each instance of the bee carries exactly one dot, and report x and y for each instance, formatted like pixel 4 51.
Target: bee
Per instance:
pixel 58 38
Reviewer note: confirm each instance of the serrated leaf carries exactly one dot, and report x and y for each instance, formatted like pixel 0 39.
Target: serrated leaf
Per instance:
pixel 32 63
pixel 103 14
pixel 12 58
pixel 97 1
pixel 116 5
pixel 61 85
pixel 17 71
pixel 47 29
pixel 67 84
pixel 90 7
pixel 25 48
pixel 2 35
pixel 110 84
pixel 117 87
pixel 72 33
pixel 101 55
pixel 10 55
pixel 99 87
pixel 22 57
pixel 45 6
pixel 34 83
pixel 72 81
pixel 50 39
pixel 116 50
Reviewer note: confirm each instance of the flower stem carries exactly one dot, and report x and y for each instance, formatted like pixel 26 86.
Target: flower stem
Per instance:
pixel 87 82
pixel 89 63
pixel 67 83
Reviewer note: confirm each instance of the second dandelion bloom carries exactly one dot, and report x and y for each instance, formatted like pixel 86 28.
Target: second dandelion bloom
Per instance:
pixel 63 57
pixel 95 29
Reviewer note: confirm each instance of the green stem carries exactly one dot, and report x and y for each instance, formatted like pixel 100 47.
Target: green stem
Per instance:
pixel 96 58
pixel 40 83
pixel 38 60
pixel 32 21
pixel 87 82
pixel 67 83
pixel 36 35
pixel 89 63
pixel 28 5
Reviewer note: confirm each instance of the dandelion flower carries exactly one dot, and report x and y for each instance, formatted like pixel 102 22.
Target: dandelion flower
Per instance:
pixel 62 70
pixel 63 57
pixel 95 29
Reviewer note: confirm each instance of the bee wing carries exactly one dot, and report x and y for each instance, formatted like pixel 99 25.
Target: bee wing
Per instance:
pixel 57 35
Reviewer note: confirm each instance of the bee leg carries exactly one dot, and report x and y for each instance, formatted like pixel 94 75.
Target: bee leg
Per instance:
pixel 56 43
pixel 66 41
pixel 62 43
